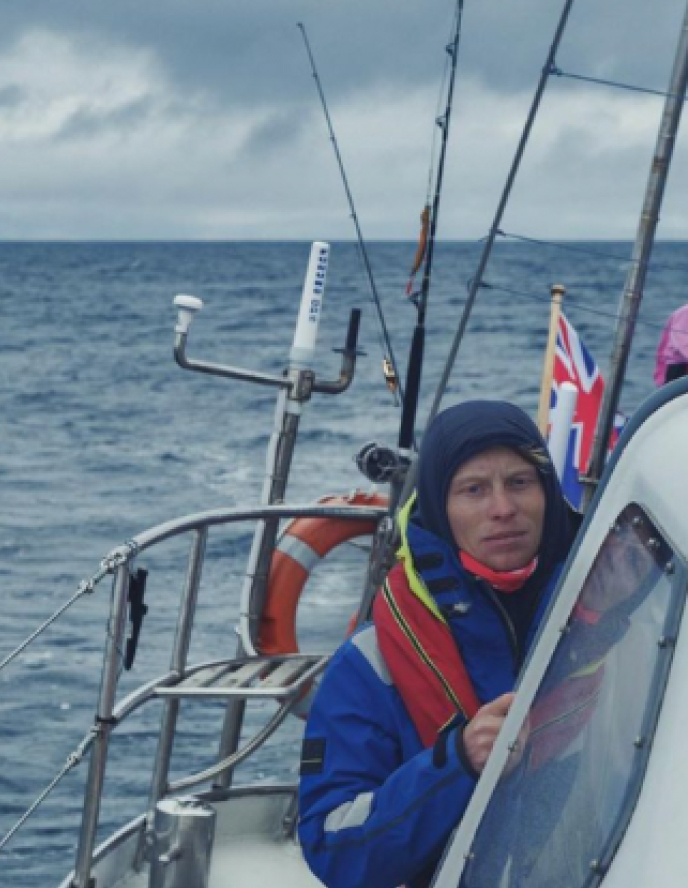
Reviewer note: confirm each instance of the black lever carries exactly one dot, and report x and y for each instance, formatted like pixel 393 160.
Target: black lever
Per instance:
pixel 352 332
pixel 137 611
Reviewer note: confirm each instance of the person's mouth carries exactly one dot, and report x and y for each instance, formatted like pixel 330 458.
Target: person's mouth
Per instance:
pixel 506 537
pixel 506 541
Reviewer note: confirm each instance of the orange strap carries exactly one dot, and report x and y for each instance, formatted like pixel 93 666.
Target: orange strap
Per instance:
pixel 422 657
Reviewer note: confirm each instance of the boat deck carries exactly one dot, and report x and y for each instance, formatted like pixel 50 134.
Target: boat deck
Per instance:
pixel 250 847
pixel 255 862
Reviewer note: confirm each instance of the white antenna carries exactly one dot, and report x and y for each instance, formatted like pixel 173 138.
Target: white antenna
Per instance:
pixel 306 333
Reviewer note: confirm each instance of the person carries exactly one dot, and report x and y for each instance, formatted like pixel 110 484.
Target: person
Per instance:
pixel 411 704
pixel 672 351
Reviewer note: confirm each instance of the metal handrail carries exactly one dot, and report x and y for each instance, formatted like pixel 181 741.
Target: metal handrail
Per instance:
pixel 215 517
pixel 109 714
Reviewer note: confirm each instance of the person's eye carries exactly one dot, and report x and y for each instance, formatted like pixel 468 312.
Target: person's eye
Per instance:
pixel 521 482
pixel 472 490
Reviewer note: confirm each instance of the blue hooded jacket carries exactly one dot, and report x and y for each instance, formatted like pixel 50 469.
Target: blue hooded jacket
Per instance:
pixel 376 808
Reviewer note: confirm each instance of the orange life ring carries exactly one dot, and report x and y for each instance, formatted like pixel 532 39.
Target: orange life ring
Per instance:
pixel 302 544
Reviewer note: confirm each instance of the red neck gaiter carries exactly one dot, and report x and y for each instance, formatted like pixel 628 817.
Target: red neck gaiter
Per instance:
pixel 501 580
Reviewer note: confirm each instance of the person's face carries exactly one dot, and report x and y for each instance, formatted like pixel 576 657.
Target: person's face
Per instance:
pixel 496 507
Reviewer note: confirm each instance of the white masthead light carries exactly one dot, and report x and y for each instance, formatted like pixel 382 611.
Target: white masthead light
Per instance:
pixel 188 306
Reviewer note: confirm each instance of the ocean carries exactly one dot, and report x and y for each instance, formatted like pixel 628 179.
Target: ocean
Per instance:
pixel 103 436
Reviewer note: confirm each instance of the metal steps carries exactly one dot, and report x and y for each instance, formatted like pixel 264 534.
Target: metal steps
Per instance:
pixel 279 678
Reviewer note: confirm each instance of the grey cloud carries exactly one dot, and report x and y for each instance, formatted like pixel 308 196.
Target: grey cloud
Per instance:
pixel 11 96
pixel 245 52
pixel 216 60
pixel 86 122
pixel 274 135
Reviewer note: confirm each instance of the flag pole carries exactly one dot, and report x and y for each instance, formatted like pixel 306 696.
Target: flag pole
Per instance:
pixel 558 291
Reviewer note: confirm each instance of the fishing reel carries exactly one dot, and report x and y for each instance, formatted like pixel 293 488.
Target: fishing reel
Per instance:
pixel 378 462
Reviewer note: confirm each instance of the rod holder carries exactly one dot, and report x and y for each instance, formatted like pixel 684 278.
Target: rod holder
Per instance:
pixel 184 835
pixel 349 354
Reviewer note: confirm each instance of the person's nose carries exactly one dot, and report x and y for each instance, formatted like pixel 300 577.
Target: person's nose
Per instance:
pixel 503 505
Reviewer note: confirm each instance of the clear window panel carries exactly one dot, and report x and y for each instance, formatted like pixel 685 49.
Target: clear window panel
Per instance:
pixel 566 795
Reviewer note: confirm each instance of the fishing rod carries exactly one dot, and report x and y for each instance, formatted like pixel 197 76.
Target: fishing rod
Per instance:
pixel 477 279
pixel 384 463
pixel 642 249
pixel 415 366
pixel 390 368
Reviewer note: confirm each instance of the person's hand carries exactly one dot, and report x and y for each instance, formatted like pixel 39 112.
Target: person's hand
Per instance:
pixel 481 731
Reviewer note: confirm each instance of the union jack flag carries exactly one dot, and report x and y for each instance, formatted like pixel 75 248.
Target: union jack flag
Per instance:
pixel 574 363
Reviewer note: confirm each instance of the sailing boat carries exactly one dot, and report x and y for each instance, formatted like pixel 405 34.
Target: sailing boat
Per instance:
pixel 245 833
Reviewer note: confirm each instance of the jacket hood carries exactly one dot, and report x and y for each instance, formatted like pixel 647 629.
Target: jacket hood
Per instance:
pixel 462 432
pixel 673 344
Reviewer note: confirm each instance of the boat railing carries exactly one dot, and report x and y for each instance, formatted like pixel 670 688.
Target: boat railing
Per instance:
pixel 283 678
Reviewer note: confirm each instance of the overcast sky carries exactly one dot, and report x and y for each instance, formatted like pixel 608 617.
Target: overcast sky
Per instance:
pixel 200 118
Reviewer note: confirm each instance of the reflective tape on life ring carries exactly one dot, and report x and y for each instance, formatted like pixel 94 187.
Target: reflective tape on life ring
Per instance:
pixel 302 545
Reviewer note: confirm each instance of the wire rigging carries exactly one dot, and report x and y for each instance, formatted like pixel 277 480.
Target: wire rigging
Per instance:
pixel 557 245
pixel 616 84
pixel 509 235
pixel 580 306
pixel 75 758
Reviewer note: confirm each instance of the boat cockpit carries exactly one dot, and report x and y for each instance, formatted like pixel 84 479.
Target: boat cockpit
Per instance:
pixel 586 781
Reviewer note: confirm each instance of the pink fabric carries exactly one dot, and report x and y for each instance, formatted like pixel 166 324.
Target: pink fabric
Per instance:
pixel 501 580
pixel 673 345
